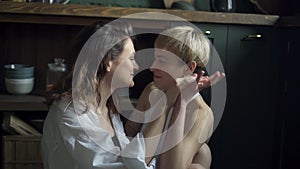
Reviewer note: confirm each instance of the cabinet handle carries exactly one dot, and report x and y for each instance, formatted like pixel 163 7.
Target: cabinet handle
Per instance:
pixel 252 37
pixel 207 32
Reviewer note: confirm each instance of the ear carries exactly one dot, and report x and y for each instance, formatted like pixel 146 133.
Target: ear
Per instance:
pixel 192 67
pixel 109 66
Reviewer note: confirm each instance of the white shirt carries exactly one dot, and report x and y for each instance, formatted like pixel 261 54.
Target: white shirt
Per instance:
pixel 76 141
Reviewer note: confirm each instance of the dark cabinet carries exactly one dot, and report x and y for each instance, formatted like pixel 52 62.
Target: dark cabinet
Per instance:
pixel 289 123
pixel 246 135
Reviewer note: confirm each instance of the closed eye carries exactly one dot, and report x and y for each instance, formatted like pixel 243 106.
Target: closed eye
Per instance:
pixel 162 59
pixel 131 57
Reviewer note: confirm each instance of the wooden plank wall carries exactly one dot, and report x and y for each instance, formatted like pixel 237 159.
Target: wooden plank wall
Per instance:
pixel 22 152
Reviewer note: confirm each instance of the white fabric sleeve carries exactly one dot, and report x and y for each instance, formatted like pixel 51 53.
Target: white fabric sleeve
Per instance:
pixel 134 154
pixel 88 151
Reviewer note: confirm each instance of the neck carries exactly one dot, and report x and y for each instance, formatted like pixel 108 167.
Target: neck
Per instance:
pixel 105 92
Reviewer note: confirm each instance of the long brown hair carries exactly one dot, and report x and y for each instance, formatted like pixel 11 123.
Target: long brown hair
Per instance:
pixel 100 41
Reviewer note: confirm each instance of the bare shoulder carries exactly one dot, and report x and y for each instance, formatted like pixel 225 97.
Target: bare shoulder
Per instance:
pixel 201 120
pixel 201 107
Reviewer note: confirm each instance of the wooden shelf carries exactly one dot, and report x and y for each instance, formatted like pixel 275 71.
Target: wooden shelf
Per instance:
pixel 22 103
pixel 73 14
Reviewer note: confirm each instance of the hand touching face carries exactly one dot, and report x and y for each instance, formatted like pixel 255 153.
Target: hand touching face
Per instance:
pixel 166 68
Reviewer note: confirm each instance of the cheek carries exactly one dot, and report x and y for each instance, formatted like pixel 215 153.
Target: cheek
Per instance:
pixel 173 72
pixel 126 66
pixel 167 78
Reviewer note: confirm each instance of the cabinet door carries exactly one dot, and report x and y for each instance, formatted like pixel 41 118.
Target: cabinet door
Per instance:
pixel 246 136
pixel 290 125
pixel 218 36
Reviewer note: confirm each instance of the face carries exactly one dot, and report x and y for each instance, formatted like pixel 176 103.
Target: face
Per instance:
pixel 123 68
pixel 166 68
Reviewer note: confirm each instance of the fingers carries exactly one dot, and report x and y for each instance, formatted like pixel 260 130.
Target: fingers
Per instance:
pixel 200 75
pixel 201 86
pixel 186 80
pixel 201 80
pixel 206 81
pixel 216 77
pixel 195 75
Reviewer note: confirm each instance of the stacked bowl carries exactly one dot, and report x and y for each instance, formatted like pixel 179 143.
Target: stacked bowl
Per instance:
pixel 19 78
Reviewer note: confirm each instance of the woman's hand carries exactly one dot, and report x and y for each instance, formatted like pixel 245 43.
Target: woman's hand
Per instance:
pixel 188 87
pixel 206 81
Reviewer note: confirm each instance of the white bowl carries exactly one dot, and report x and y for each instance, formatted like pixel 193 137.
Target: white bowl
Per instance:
pixel 20 81
pixel 19 86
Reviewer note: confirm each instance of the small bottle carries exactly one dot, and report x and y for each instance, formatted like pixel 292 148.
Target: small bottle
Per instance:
pixel 55 72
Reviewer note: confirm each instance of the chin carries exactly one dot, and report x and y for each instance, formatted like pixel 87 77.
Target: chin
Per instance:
pixel 131 84
pixel 158 85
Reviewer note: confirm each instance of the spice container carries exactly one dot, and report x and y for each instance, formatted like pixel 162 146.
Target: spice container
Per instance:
pixel 55 72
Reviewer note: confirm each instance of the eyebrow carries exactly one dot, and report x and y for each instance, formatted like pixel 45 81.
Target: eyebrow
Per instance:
pixel 161 57
pixel 132 54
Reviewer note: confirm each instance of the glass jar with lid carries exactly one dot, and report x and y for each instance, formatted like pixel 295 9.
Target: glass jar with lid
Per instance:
pixel 56 71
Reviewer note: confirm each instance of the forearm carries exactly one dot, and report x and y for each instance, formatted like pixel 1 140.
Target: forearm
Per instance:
pixel 172 158
pixel 152 134
pixel 132 128
pixel 176 126
pixel 173 142
pixel 155 128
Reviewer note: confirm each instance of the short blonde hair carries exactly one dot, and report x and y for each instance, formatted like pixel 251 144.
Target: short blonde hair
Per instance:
pixel 187 43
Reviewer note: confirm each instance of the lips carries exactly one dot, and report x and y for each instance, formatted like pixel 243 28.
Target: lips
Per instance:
pixel 156 77
pixel 131 76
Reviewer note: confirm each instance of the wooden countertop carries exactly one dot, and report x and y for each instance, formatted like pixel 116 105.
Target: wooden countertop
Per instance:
pixel 73 14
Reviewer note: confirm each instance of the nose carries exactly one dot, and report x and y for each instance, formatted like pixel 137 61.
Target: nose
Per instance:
pixel 135 66
pixel 152 69
pixel 154 66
